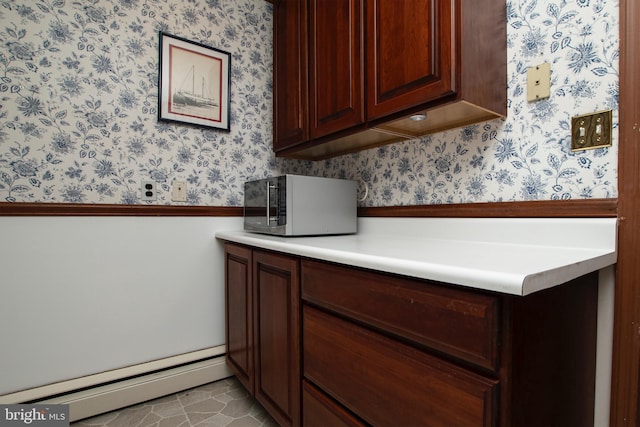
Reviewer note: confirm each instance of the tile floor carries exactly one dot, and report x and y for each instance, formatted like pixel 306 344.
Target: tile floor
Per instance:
pixel 223 403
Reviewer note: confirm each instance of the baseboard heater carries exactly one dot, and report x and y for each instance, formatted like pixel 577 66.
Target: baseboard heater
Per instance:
pixel 108 391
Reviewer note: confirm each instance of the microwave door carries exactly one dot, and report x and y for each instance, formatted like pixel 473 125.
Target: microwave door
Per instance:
pixel 255 207
pixel 261 206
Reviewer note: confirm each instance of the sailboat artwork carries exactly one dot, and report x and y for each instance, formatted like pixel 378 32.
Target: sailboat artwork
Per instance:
pixel 191 97
pixel 194 83
pixel 193 90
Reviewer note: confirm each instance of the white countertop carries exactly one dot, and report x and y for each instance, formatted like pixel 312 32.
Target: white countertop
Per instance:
pixel 516 256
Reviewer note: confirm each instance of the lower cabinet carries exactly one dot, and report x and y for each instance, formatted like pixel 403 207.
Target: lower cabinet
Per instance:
pixel 263 328
pixel 322 344
pixel 393 350
pixel 239 314
pixel 389 383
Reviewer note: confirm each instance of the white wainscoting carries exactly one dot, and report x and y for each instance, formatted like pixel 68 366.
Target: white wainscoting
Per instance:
pixel 85 295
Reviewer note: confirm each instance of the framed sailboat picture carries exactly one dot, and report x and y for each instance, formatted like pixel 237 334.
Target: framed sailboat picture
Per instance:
pixel 194 83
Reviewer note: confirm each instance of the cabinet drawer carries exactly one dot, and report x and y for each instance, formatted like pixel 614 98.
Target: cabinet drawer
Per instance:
pixel 319 410
pixel 450 320
pixel 387 383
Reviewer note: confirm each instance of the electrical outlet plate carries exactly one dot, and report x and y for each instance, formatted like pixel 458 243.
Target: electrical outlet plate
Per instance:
pixel 179 191
pixel 591 130
pixel 539 82
pixel 148 190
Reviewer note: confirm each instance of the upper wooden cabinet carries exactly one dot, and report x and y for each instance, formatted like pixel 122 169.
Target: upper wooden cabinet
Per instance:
pixel 290 105
pixel 372 64
pixel 409 54
pixel 336 100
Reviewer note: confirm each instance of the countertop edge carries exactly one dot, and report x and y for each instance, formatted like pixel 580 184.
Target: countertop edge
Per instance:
pixel 520 283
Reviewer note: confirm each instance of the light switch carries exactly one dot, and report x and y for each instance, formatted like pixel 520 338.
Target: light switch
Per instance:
pixel 591 130
pixel 539 82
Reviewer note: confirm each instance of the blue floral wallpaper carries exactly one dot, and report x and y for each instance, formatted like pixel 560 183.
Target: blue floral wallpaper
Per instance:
pixel 527 156
pixel 79 85
pixel 78 110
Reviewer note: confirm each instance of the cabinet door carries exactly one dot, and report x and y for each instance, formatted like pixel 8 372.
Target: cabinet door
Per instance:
pixel 410 54
pixel 277 330
pixel 290 47
pixel 239 325
pixel 335 66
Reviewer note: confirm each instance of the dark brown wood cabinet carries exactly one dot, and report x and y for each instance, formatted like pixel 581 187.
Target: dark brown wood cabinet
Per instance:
pixel 318 410
pixel 318 63
pixel 336 99
pixel 320 344
pixel 410 54
pixel 372 64
pixel 393 350
pixel 386 382
pixel 416 310
pixel 290 87
pixel 239 313
pixel 263 328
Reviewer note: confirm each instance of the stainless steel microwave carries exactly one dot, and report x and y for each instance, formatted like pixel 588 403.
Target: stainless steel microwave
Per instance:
pixel 297 205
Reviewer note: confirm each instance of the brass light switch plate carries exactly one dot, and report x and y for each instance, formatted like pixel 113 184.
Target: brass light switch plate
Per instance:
pixel 591 131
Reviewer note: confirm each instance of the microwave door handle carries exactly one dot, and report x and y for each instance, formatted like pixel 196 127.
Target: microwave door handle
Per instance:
pixel 268 203
pixel 269 188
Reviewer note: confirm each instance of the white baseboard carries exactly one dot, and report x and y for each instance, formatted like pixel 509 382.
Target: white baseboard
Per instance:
pixel 62 387
pixel 109 397
pixel 106 391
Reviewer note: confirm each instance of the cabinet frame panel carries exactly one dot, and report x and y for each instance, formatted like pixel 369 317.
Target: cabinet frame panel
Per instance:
pixel 239 312
pixel 276 320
